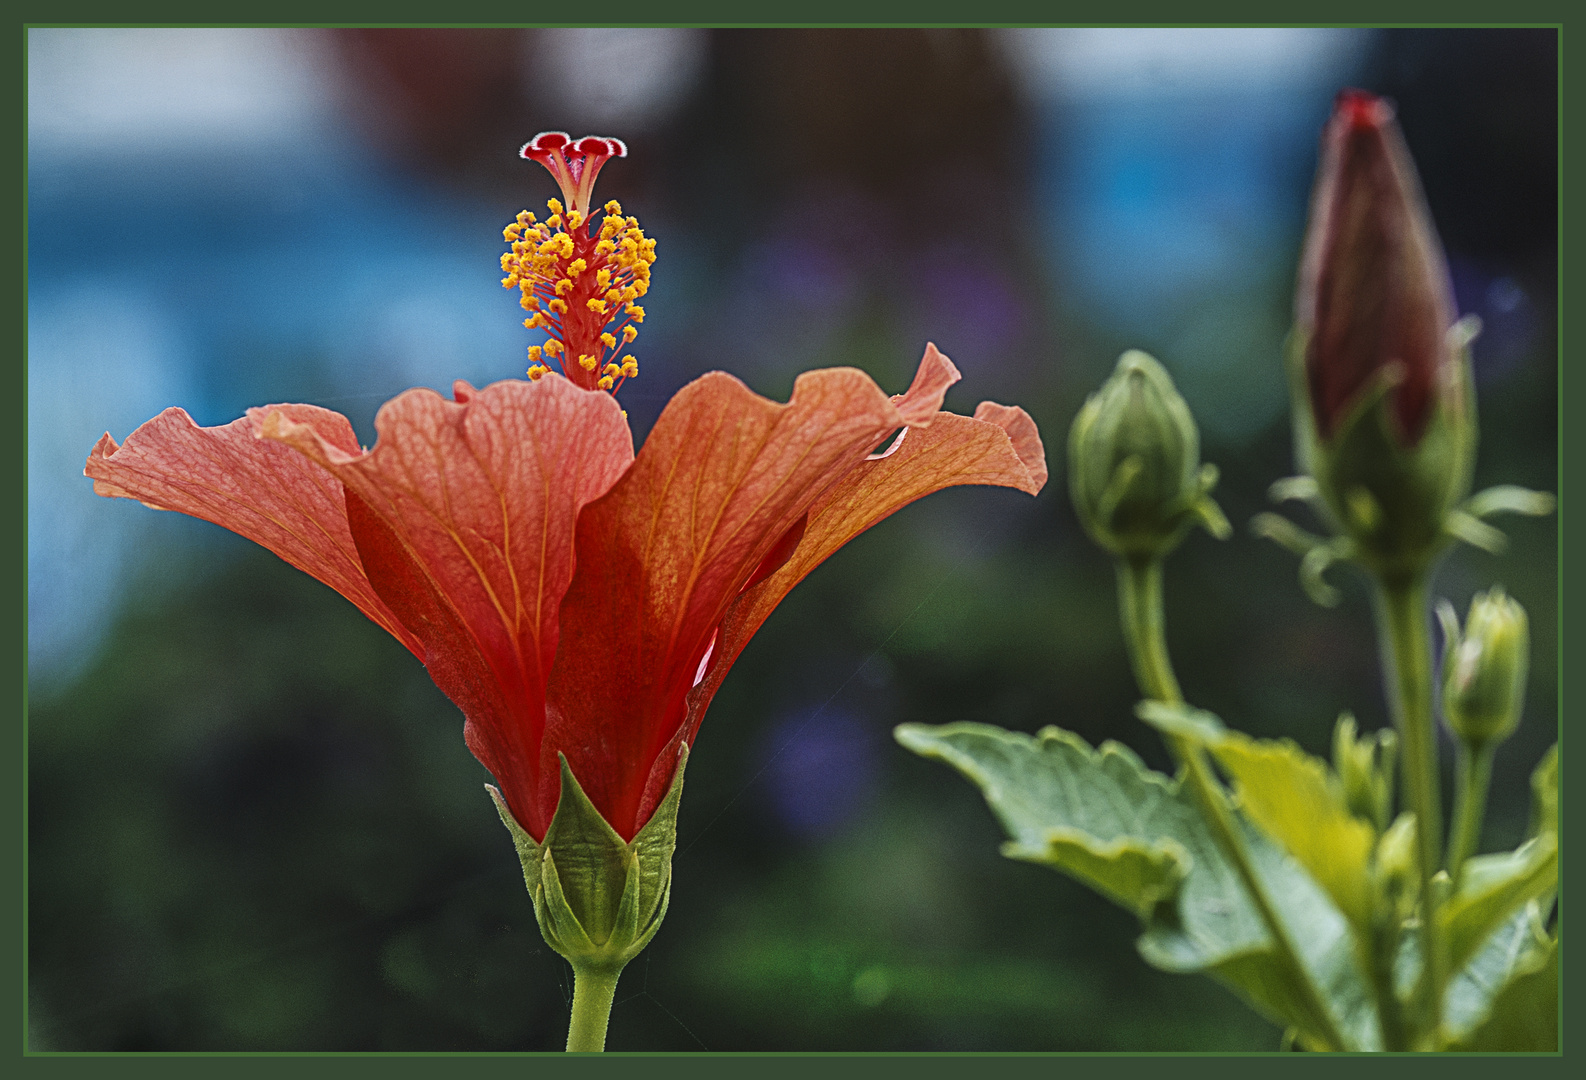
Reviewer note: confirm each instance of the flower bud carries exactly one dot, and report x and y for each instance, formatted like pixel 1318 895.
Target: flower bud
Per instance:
pixel 1374 290
pixel 1395 868
pixel 1134 463
pixel 1484 669
pixel 1365 770
pixel 1384 411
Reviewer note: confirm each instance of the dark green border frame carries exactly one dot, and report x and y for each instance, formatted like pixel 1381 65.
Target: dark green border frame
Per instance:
pixel 725 13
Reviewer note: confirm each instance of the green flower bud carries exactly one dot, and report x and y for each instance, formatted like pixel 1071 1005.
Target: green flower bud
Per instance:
pixel 1365 769
pixel 1396 868
pixel 1484 668
pixel 598 900
pixel 1134 465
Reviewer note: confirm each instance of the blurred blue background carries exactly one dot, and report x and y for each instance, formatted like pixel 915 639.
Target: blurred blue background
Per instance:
pixel 253 821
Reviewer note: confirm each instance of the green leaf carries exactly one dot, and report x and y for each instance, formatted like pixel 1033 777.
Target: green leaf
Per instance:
pixel 1102 817
pixel 1524 1013
pixel 1196 725
pixel 1294 797
pixel 1491 889
pixel 1544 794
pixel 1318 930
pixel 1099 815
pixel 1298 801
pixel 1128 871
pixel 1496 999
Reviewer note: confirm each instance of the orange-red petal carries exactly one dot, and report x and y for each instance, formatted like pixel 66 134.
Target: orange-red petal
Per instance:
pixel 1000 446
pixel 267 493
pixel 724 475
pixel 936 373
pixel 464 514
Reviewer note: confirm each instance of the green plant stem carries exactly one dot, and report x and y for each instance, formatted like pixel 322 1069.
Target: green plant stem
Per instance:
pixel 1406 643
pixel 1470 806
pixel 1380 961
pixel 1140 601
pixel 594 988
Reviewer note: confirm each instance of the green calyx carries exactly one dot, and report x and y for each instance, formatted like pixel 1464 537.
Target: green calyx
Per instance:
pixel 1392 508
pixel 1392 501
pixel 597 898
pixel 1134 465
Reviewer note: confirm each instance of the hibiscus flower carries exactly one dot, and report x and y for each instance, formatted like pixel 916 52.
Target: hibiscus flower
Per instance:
pixel 576 601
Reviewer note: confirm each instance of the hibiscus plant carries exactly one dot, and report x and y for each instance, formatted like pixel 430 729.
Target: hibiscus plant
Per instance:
pixel 1288 878
pixel 580 603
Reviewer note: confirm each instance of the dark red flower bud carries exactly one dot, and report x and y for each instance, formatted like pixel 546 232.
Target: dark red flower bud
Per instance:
pixel 1375 299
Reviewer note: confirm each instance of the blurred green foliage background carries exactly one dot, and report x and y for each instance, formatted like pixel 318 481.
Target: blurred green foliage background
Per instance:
pixel 253 824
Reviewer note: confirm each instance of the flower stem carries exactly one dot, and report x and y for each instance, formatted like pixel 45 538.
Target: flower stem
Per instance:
pixel 594 987
pixel 1140 603
pixel 1407 665
pixel 1379 960
pixel 1470 805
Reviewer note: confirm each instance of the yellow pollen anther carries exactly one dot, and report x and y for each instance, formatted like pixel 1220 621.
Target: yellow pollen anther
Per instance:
pixel 545 262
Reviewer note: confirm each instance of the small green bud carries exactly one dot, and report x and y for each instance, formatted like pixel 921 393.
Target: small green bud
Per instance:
pixel 1365 769
pixel 1397 868
pixel 598 899
pixel 1134 465
pixel 1484 669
